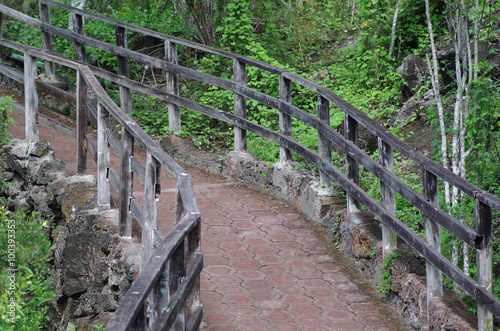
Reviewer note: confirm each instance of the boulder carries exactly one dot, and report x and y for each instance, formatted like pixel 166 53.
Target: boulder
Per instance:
pixel 413 70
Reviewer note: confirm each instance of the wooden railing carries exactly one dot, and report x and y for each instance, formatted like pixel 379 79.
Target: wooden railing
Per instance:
pixel 427 203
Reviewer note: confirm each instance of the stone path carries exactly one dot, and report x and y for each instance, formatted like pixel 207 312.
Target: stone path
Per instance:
pixel 266 266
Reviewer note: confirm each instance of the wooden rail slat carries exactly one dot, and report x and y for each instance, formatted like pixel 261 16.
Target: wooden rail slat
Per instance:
pixel 324 144
pixel 240 106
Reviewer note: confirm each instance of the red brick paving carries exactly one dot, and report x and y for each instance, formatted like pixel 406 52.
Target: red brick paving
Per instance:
pixel 266 266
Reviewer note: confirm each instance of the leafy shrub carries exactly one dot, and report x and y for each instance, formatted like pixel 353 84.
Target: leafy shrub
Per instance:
pixel 28 291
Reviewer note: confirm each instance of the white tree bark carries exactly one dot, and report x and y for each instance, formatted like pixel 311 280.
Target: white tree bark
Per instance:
pixel 394 23
pixel 434 73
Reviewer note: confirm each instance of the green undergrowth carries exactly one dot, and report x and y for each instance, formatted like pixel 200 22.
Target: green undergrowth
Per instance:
pixel 24 280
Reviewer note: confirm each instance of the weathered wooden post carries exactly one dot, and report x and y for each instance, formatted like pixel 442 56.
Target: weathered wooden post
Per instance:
pixel 31 97
pixel 387 197
pixel 80 53
pixel 126 185
pixel 103 188
pixel 352 169
pixel 324 146
pixel 81 124
pixel 47 41
pixel 126 175
pixel 174 113
pixel 240 106
pixel 285 90
pixel 151 192
pixel 432 237
pixel 483 261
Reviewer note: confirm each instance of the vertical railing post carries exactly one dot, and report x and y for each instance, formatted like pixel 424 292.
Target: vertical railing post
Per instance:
pixel 432 237
pixel 80 53
pixel 193 248
pixel 285 90
pixel 387 197
pixel 240 106
pixel 324 146
pixel 126 175
pixel 174 113
pixel 103 158
pixel 177 274
pixel 151 192
pixel 126 185
pixel 483 261
pixel 47 41
pixel 123 70
pixel 352 168
pixel 81 124
pixel 31 97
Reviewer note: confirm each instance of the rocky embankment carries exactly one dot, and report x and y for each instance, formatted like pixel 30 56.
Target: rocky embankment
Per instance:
pixel 90 274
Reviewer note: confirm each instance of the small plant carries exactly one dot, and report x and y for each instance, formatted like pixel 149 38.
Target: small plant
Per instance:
pixel 98 327
pixel 5 120
pixel 385 273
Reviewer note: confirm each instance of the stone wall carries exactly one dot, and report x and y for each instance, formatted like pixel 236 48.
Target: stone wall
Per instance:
pixel 359 236
pixel 361 241
pixel 90 274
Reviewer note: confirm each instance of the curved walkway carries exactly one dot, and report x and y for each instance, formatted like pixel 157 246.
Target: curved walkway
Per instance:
pixel 266 266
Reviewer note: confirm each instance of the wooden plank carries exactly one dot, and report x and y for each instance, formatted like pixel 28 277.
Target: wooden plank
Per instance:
pixel 91 113
pixel 137 211
pixel 132 302
pixel 168 319
pixel 352 168
pixel 81 124
pixel 12 73
pixel 103 164
pixel 58 93
pixel 434 277
pixel 240 106
pixel 57 126
pixel 285 91
pixel 387 197
pixel 30 97
pixel 150 208
pixel 324 148
pixel 114 141
pixel 80 53
pixel 174 113
pixel 165 37
pixel 47 40
pixel 91 147
pixel 114 178
pixel 483 262
pixel 186 193
pixel 127 182
pixel 195 320
pixel 138 168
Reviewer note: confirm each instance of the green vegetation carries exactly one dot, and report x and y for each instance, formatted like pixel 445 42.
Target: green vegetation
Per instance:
pixel 24 279
pixel 355 40
pixel 5 108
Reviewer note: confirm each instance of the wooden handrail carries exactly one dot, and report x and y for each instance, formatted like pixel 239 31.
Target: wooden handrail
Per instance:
pixel 480 238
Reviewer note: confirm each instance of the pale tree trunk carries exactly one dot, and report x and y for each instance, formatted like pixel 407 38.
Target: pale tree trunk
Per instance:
pixel 394 23
pixel 434 73
pixel 465 72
